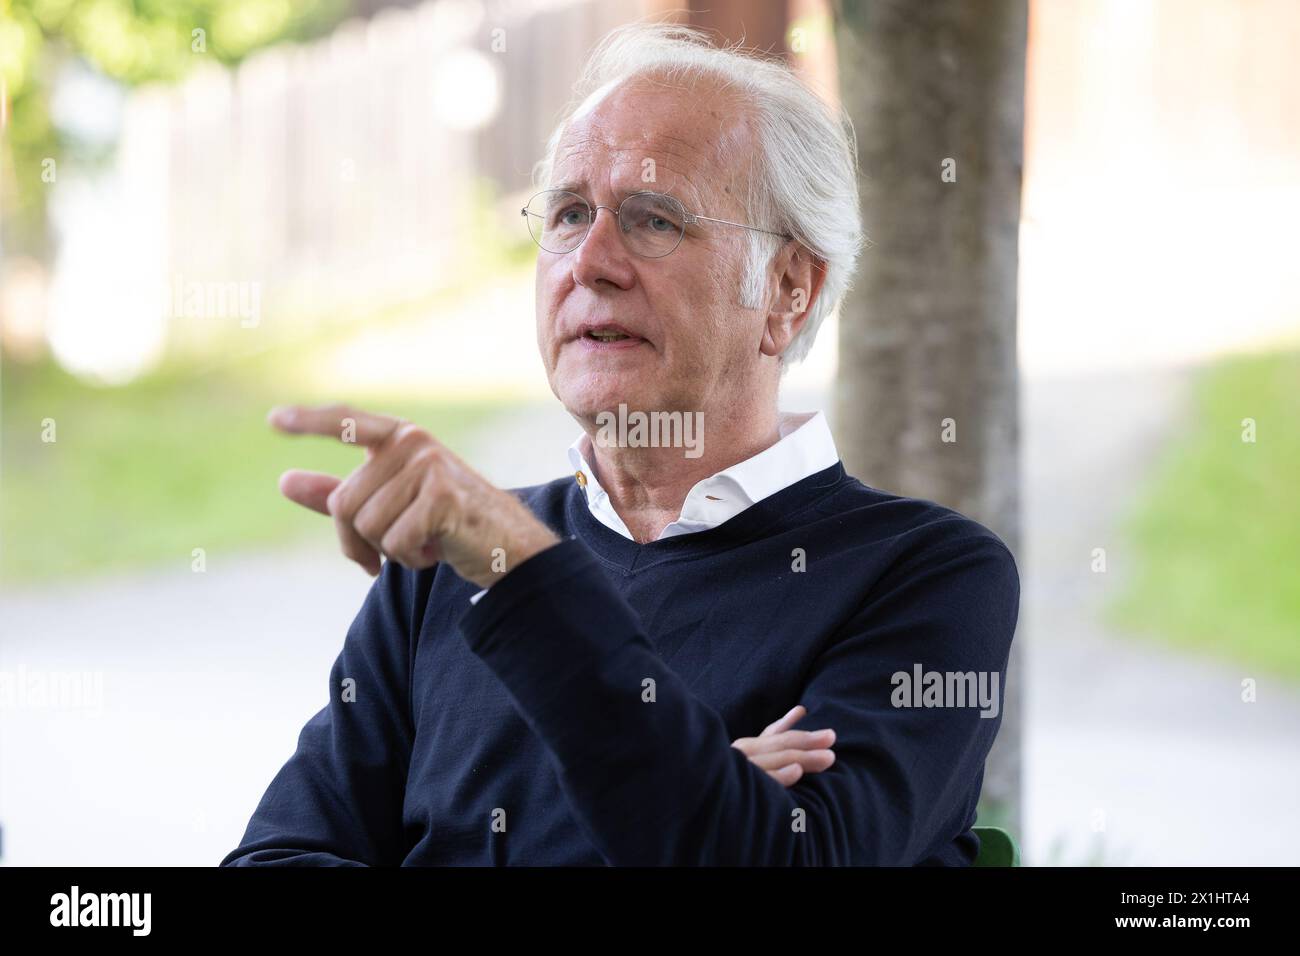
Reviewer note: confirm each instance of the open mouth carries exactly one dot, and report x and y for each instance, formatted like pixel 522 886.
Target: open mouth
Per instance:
pixel 607 336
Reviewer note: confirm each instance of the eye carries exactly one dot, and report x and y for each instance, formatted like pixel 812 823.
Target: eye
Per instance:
pixel 569 216
pixel 653 215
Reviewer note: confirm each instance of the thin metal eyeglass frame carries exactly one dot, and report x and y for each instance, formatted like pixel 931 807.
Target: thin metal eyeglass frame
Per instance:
pixel 688 218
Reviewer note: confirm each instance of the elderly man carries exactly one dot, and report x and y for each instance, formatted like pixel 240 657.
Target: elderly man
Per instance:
pixel 593 671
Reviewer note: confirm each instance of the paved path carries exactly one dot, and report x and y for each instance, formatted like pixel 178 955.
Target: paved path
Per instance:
pixel 1155 749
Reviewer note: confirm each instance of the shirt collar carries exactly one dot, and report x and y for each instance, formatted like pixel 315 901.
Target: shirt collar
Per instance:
pixel 804 448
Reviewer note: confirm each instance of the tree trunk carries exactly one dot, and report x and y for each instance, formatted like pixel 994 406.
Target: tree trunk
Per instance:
pixel 928 335
pixel 759 25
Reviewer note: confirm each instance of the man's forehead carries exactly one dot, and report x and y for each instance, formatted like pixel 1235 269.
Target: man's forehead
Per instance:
pixel 634 130
pixel 597 162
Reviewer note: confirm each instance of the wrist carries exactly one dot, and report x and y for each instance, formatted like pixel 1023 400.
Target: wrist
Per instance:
pixel 533 538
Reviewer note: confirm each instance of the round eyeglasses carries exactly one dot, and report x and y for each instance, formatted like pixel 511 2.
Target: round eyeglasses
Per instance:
pixel 652 224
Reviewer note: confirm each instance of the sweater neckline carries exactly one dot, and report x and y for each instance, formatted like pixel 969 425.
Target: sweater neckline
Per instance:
pixel 760 516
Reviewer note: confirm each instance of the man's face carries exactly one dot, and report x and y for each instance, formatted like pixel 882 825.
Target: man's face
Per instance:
pixel 695 347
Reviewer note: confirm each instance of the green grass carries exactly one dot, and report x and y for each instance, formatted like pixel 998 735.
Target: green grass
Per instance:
pixel 1216 535
pixel 145 473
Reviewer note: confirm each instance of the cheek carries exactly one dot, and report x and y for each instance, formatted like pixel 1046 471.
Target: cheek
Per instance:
pixel 546 305
pixel 696 315
pixel 724 322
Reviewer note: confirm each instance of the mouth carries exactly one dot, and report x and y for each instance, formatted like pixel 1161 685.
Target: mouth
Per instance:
pixel 609 335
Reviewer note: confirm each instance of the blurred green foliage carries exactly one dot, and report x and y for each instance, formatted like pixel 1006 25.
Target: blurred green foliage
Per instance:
pixel 1217 532
pixel 131 41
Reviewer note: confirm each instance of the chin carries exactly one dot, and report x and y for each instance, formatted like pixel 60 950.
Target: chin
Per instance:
pixel 589 394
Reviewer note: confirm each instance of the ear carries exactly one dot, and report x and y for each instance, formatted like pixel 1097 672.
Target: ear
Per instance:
pixel 799 275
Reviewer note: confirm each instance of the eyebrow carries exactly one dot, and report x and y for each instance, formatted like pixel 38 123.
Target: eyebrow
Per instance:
pixel 578 187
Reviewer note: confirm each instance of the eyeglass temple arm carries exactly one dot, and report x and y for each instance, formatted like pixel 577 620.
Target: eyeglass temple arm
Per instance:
pixel 728 222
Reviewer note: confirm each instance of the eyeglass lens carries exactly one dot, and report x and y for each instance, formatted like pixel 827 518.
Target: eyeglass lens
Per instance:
pixel 652 224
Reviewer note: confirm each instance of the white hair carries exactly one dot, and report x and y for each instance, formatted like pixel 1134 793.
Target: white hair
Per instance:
pixel 804 174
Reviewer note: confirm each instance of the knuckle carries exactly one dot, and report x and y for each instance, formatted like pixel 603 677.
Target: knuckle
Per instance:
pixel 425 459
pixel 409 436
pixel 397 546
pixel 339 500
pixel 367 527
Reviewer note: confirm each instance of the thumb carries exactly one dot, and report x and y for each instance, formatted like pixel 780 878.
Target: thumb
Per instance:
pixel 308 488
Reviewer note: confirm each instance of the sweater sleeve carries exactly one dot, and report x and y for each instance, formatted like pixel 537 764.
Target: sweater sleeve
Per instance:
pixel 658 783
pixel 338 800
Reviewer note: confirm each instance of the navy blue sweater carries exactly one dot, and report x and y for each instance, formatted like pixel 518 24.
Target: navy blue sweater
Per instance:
pixel 582 712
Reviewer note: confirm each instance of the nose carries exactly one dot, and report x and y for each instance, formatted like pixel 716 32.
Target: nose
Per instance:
pixel 603 258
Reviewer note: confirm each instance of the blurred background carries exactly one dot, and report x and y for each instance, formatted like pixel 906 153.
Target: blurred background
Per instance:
pixel 210 207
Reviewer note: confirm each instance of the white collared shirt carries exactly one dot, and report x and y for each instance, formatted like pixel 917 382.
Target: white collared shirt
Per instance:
pixel 804 448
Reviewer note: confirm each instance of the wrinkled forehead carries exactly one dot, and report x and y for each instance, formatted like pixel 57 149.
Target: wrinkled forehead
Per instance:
pixel 650 134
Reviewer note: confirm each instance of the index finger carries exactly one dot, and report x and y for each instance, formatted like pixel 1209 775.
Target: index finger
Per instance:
pixel 347 424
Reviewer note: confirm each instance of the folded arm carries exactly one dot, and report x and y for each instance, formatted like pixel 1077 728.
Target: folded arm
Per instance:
pixel 660 784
